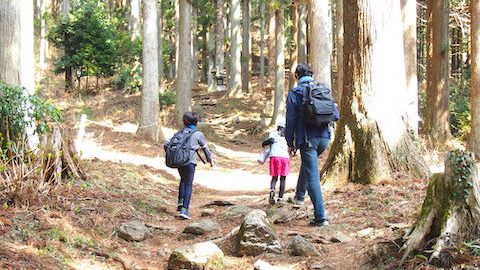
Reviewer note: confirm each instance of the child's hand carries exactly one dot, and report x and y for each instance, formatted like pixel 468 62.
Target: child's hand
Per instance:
pixel 211 164
pixel 292 151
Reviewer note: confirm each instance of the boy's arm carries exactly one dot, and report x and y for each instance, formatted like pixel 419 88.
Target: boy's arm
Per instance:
pixel 203 144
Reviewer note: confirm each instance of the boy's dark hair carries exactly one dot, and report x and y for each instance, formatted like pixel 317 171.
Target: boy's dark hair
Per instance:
pixel 190 118
pixel 303 70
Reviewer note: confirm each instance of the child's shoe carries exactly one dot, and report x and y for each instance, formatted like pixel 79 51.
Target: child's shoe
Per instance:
pixel 271 198
pixel 281 201
pixel 184 214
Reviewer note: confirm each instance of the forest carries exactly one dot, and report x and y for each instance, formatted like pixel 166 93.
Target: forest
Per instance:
pixel 92 94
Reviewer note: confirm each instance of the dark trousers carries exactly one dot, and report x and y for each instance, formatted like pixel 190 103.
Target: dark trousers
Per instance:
pixel 186 184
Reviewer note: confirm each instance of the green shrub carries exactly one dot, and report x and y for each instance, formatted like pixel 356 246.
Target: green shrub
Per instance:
pixel 15 116
pixel 460 117
pixel 167 98
pixel 129 79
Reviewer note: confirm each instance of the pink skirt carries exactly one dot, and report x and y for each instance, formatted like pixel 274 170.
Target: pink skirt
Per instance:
pixel 279 166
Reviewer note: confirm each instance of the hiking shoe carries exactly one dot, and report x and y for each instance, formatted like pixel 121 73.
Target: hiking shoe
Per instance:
pixel 295 201
pixel 281 200
pixel 179 207
pixel 184 214
pixel 271 198
pixel 318 223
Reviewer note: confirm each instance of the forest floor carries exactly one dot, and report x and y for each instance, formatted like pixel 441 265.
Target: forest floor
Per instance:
pixel 75 228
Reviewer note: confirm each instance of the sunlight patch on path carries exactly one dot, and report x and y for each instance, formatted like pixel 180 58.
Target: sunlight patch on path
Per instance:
pixel 215 178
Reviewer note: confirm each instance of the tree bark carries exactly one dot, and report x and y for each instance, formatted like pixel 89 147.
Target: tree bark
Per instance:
pixel 235 87
pixel 160 47
pixel 409 14
pixel 262 45
pixel 149 116
pixel 194 46
pixel 437 117
pixel 294 47
pixel 211 58
pixel 177 37
pixel 475 94
pixel 271 43
pixel 302 33
pixel 320 41
pixel 451 209
pixel 245 56
pixel 279 102
pixel 134 21
pixel 10 41
pixel 43 48
pixel 372 140
pixel 64 7
pixel 184 78
pixel 220 39
pixel 339 33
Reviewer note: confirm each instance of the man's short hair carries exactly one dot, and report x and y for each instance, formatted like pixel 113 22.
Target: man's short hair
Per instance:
pixel 190 118
pixel 303 70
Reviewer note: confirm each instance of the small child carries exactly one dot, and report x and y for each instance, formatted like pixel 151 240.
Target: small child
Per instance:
pixel 279 160
pixel 187 173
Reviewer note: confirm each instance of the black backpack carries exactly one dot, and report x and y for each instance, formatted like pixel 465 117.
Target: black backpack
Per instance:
pixel 177 150
pixel 317 105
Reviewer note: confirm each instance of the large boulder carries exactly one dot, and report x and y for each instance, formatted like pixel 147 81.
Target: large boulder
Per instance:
pixel 298 246
pixel 199 256
pixel 133 230
pixel 202 227
pixel 257 235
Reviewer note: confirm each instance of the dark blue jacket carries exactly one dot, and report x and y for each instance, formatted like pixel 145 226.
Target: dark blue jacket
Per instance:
pixel 295 126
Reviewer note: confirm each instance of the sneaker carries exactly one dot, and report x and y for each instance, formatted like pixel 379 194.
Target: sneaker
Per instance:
pixel 271 198
pixel 295 201
pixel 281 200
pixel 184 214
pixel 318 223
pixel 179 207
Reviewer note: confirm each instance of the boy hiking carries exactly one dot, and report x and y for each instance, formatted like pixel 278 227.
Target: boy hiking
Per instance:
pixel 181 152
pixel 279 160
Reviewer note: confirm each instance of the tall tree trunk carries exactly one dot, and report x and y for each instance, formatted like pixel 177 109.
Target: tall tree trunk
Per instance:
pixel 294 47
pixel 262 45
pixel 372 139
pixel 149 116
pixel 320 40
pixel 339 33
pixel 134 21
pixel 64 7
pixel 245 56
pixel 177 37
pixel 204 48
pixel 10 41
pixel 184 78
pixel 235 87
pixel 302 33
pixel 409 14
pixel 220 40
pixel 160 47
pixel 437 117
pixel 271 43
pixel 43 48
pixel 194 46
pixel 211 58
pixel 279 103
pixel 475 94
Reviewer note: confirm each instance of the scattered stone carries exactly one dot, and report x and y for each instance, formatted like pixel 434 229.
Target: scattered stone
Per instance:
pixel 196 257
pixel 365 232
pixel 298 246
pixel 339 237
pixel 208 212
pixel 202 227
pixel 132 231
pixel 321 267
pixel 257 235
pixel 162 228
pixel 186 236
pixel 397 226
pixel 282 215
pixel 237 211
pixel 263 265
pixel 220 203
pixel 164 251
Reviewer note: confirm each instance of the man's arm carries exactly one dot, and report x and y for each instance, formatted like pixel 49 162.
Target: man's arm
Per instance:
pixel 292 118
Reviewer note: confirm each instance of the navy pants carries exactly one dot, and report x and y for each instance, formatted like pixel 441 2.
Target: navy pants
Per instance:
pixel 186 184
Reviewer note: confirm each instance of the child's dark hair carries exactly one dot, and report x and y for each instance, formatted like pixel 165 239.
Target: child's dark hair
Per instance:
pixel 190 118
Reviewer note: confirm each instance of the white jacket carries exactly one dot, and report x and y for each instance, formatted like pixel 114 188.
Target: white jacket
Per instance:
pixel 279 148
